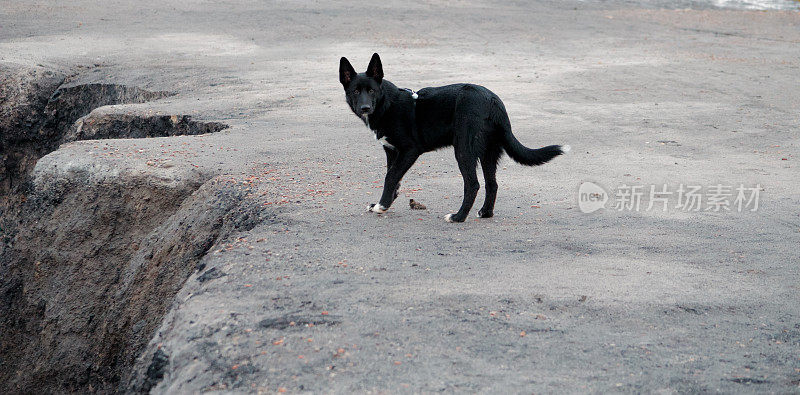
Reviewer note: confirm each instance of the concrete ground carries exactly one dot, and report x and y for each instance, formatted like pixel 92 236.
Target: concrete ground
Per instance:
pixel 326 297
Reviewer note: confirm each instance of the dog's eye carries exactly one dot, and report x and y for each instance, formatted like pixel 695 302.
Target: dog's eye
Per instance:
pixel 355 91
pixel 371 91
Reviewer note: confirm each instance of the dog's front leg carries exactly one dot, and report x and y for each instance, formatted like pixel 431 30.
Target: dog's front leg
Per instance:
pixel 391 156
pixel 401 164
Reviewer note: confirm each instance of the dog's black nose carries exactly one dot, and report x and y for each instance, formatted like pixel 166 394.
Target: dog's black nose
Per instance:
pixel 365 109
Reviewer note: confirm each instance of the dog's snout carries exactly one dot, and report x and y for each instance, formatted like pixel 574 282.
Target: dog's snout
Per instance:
pixel 366 108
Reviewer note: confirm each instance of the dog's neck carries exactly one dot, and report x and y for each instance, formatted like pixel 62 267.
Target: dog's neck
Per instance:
pixel 384 108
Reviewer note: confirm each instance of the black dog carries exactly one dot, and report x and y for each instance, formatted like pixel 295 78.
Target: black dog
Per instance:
pixel 469 117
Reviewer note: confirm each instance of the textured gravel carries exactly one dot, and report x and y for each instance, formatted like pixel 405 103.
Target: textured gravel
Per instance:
pixel 322 296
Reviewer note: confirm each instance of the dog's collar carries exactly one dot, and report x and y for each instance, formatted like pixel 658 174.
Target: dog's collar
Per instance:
pixel 413 94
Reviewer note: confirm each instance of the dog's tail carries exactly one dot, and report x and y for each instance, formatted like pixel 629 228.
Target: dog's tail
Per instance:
pixel 530 157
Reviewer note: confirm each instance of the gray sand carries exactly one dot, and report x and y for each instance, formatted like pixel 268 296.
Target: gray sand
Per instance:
pixel 324 296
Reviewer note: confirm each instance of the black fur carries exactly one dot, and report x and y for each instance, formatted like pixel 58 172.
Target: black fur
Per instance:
pixel 469 117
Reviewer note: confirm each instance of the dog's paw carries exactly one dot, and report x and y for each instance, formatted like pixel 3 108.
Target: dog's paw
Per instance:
pixel 453 218
pixel 377 208
pixel 485 214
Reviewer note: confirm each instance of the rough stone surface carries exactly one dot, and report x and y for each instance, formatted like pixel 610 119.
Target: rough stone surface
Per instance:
pixel 24 94
pixel 88 262
pixel 300 289
pixel 108 126
pixel 94 270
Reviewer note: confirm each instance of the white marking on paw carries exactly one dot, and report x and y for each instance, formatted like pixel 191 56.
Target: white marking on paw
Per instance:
pixel 448 217
pixel 478 214
pixel 385 143
pixel 377 208
pixel 565 148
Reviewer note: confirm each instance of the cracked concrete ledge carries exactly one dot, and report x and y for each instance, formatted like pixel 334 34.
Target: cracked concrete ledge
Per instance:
pixel 96 240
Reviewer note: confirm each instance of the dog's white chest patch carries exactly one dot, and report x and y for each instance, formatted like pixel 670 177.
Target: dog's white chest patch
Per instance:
pixel 385 142
pixel 381 140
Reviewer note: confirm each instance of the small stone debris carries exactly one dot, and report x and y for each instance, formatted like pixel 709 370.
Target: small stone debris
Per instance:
pixel 416 205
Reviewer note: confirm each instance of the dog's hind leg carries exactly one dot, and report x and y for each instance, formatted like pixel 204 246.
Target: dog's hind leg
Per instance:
pixel 489 166
pixel 469 172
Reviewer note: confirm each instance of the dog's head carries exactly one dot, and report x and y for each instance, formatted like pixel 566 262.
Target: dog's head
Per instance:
pixel 362 90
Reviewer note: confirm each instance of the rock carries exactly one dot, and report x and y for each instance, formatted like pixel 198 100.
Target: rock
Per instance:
pixel 95 247
pixel 416 205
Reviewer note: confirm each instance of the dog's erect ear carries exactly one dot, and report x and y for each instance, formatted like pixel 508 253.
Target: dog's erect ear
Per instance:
pixel 346 71
pixel 375 69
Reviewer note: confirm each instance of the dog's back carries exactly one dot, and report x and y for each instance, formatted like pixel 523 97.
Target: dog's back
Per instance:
pixel 478 114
